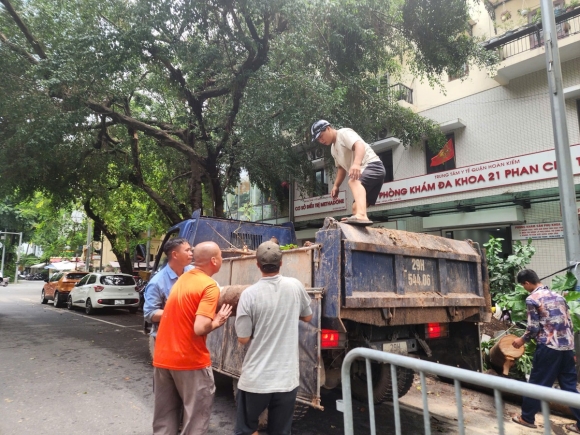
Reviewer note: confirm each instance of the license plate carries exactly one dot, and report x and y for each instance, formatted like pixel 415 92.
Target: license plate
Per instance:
pixel 399 347
pixel 119 302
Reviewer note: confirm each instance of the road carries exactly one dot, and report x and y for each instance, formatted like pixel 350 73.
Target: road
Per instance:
pixel 65 373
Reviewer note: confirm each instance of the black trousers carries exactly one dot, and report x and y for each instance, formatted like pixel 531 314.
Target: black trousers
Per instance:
pixel 280 412
pixel 548 365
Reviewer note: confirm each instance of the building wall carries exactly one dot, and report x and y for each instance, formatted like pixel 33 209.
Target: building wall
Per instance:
pixel 502 122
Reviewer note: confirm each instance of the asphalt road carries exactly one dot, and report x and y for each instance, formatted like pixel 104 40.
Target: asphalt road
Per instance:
pixel 65 373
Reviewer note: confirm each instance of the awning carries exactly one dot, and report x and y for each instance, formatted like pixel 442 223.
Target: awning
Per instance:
pixel 38 266
pixel 64 265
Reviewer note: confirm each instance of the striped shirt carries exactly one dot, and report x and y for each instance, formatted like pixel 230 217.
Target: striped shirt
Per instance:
pixel 549 320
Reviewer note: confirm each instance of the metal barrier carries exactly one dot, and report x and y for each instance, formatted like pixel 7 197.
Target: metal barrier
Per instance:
pixel 498 384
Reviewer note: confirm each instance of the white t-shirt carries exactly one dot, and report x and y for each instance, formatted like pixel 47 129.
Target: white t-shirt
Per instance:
pixel 269 312
pixel 342 151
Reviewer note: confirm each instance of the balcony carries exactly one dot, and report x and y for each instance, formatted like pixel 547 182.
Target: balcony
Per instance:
pixel 400 92
pixel 521 51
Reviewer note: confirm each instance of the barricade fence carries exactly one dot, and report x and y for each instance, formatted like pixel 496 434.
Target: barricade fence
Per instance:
pixel 498 384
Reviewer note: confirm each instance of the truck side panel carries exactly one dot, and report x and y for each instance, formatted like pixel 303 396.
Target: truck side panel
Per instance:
pixel 227 354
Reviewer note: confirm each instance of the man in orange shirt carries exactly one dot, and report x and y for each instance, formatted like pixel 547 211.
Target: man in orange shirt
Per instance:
pixel 183 372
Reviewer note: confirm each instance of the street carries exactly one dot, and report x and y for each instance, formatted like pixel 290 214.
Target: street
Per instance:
pixel 66 373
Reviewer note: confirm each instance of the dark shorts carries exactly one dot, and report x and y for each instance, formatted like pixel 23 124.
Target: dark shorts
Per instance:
pixel 372 180
pixel 280 411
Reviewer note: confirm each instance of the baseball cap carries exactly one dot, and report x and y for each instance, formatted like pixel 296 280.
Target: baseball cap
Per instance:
pixel 269 253
pixel 317 128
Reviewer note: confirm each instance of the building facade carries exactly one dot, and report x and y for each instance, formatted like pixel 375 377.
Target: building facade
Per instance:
pixel 496 175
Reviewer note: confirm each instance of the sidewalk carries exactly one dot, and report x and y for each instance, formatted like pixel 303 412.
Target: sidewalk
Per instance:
pixel 478 411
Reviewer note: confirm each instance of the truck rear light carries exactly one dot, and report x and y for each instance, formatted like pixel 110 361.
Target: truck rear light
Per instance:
pixel 99 288
pixel 328 338
pixel 436 330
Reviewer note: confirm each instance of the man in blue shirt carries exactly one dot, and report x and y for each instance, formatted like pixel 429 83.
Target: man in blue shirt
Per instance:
pixel 179 256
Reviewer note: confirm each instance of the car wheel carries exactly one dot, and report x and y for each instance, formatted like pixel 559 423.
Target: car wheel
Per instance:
pixel 56 300
pixel 89 307
pixel 69 303
pixel 43 299
pixel 133 310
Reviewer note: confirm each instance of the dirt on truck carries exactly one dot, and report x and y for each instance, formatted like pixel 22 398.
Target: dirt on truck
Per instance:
pixel 415 294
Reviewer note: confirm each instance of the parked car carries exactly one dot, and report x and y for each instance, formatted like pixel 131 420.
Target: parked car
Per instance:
pixel 59 286
pixel 105 290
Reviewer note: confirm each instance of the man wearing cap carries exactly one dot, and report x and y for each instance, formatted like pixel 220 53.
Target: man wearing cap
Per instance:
pixel 267 319
pixel 352 156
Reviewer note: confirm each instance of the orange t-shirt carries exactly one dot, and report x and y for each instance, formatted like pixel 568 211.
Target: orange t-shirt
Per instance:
pixel 177 347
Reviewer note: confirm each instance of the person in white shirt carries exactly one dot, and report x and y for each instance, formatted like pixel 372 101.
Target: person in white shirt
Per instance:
pixel 352 156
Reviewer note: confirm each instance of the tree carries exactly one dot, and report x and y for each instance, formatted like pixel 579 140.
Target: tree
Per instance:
pixel 187 93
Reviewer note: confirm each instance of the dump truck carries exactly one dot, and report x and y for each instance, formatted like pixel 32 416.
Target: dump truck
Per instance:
pixel 414 294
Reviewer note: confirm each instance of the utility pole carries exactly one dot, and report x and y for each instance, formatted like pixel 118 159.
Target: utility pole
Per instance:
pixel 148 248
pixel 3 252
pixel 89 244
pixel 562 143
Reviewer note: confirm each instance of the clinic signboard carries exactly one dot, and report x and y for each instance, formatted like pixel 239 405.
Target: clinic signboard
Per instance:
pixel 497 173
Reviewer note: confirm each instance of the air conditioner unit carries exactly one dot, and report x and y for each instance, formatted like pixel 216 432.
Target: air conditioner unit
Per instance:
pixel 318 153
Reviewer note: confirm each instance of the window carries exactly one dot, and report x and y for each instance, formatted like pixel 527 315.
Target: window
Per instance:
pixel 55 277
pixel 92 279
pixel 83 281
pixel 387 159
pixel 320 183
pixel 534 17
pixel 117 280
pixel 442 160
pixel 75 275
pixel 462 73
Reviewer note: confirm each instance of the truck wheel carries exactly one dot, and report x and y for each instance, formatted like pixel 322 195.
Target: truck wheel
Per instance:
pixel 300 409
pixel 382 385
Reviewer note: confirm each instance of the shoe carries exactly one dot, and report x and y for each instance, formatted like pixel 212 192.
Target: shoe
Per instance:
pixel 519 420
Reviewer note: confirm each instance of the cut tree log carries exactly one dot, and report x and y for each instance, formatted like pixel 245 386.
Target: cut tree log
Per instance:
pixel 230 294
pixel 503 355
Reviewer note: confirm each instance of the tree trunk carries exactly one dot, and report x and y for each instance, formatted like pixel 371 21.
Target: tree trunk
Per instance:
pixel 503 355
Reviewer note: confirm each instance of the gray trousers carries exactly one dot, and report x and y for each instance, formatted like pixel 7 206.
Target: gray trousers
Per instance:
pixel 194 388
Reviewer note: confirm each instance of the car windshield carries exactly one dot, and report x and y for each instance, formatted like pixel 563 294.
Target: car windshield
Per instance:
pixel 75 275
pixel 117 280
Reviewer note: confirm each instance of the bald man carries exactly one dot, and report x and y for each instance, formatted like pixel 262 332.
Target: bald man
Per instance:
pixel 183 372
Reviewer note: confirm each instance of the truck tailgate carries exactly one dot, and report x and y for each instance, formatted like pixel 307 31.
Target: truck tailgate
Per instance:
pixel 388 268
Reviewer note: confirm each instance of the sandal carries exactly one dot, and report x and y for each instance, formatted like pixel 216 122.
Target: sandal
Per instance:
pixel 353 220
pixel 572 427
pixel 519 420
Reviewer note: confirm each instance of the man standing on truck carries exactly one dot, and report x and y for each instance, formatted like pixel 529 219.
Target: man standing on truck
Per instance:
pixel 183 373
pixel 352 156
pixel 550 324
pixel 179 256
pixel 267 318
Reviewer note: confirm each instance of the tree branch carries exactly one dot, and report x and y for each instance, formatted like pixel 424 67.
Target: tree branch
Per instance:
pixel 19 50
pixel 31 39
pixel 162 136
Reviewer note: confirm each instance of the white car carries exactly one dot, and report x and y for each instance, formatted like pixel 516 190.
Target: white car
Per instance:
pixel 104 290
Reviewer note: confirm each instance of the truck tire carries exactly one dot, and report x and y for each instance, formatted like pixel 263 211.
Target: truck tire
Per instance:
pixel 382 385
pixel 300 409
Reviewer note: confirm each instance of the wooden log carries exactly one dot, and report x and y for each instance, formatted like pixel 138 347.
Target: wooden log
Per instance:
pixel 503 355
pixel 230 294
